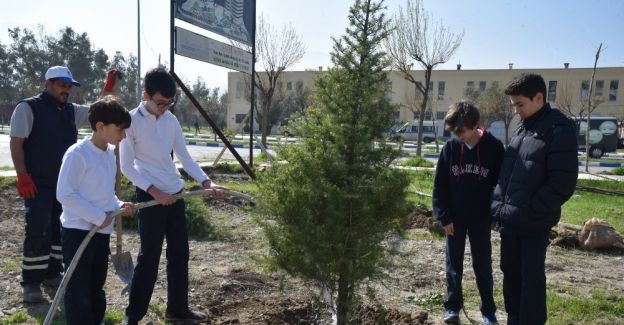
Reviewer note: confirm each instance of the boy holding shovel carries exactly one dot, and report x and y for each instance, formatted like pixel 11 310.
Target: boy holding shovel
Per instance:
pixel 145 159
pixel 86 190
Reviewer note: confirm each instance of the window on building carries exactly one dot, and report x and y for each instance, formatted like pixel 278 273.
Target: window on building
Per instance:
pixel 239 118
pixel 427 115
pixel 441 89
pixel 599 88
pixel 299 85
pixel 613 89
pixel 389 90
pixel 430 93
pixel 584 90
pixel 440 115
pixel 239 89
pixel 396 114
pixel 289 86
pixel 552 91
pixel 482 86
pixel 280 85
pixel 470 84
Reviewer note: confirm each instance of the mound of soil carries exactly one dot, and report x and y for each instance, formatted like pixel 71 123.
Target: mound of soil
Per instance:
pixel 376 315
pixel 424 220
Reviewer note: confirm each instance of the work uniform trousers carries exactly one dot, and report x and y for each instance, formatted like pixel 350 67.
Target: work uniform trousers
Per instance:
pixel 85 300
pixel 481 249
pixel 42 256
pixel 155 224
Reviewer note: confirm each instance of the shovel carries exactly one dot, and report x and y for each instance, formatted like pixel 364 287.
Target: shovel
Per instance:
pixel 60 293
pixel 122 261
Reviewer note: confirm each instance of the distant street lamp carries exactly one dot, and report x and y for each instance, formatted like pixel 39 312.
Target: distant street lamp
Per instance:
pixel 138 77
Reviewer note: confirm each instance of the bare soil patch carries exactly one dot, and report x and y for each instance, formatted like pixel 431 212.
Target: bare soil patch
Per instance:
pixel 227 283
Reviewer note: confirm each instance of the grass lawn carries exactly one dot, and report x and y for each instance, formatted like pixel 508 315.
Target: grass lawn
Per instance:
pixel 565 305
pixel 585 205
pixel 599 307
pixel 581 207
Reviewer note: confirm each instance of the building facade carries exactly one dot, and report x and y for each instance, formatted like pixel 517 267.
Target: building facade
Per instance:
pixel 565 86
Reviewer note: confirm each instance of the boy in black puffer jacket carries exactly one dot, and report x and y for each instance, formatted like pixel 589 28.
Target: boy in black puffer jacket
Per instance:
pixel 466 174
pixel 537 177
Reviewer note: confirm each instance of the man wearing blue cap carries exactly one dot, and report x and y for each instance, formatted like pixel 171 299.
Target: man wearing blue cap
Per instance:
pixel 42 128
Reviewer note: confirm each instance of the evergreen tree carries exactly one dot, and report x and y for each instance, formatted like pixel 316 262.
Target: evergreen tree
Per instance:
pixel 336 200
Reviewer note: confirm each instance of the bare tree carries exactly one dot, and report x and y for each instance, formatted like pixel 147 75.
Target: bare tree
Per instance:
pixel 565 102
pixel 591 106
pixel 493 105
pixel 416 38
pixel 275 52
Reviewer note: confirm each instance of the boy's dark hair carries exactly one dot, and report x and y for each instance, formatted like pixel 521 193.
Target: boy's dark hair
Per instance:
pixel 109 110
pixel 461 114
pixel 527 85
pixel 159 80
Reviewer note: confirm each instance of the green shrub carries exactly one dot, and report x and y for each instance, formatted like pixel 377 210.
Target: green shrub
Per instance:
pixel 417 162
pixel 264 157
pixel 114 316
pixel 8 181
pixel 227 168
pixel 618 171
pixel 198 218
pixel 18 318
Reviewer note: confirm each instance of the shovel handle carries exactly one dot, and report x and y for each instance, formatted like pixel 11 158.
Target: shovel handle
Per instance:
pixel 118 231
pixel 60 293
pixel 208 191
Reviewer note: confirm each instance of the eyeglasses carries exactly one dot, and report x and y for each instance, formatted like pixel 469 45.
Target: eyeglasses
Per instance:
pixel 163 105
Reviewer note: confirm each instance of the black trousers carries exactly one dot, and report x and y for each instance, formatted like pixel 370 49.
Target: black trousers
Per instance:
pixel 42 256
pixel 524 283
pixel 155 224
pixel 481 249
pixel 85 300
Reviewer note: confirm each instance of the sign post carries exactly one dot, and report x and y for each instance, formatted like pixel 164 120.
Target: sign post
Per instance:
pixel 234 19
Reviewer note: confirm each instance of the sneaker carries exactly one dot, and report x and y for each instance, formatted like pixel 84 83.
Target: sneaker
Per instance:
pixel 451 316
pixel 32 293
pixel 490 319
pixel 187 315
pixel 53 282
pixel 128 321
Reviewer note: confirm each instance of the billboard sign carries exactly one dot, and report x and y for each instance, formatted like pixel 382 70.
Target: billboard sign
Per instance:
pixel 205 49
pixel 229 18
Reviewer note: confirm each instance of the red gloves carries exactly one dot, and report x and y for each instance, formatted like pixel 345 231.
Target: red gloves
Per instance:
pixel 25 186
pixel 111 79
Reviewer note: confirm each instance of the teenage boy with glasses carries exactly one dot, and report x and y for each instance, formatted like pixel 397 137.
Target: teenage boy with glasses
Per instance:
pixel 145 159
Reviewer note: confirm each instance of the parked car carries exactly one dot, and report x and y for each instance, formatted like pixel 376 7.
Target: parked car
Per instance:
pixel 431 130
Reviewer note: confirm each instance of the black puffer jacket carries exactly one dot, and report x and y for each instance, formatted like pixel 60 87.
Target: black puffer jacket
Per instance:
pixel 538 174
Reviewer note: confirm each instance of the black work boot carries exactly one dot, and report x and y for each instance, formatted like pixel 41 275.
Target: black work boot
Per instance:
pixel 32 293
pixel 188 315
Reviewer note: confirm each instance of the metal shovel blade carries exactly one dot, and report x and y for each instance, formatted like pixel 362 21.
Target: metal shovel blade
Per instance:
pixel 124 267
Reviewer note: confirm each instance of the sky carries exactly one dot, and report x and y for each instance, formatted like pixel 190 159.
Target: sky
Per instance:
pixel 528 33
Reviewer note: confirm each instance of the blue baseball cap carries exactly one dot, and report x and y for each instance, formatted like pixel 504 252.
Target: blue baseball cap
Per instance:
pixel 62 73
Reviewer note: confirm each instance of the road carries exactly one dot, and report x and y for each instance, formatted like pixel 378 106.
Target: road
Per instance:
pixel 199 153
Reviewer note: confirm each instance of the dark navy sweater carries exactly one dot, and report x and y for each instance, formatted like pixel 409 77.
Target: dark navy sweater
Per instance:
pixel 465 179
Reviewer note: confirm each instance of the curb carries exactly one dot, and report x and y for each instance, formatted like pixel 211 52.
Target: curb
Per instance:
pixel 217 145
pixel 601 164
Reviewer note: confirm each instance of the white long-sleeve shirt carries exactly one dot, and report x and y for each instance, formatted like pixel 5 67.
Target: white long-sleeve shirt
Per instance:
pixel 86 186
pixel 145 153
